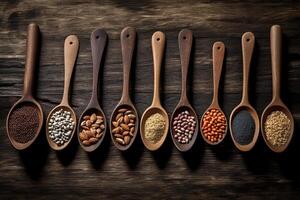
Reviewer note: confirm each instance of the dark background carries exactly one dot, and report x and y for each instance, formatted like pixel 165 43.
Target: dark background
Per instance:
pixel 204 173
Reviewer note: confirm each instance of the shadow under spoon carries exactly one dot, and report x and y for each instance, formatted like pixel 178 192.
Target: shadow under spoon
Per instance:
pixel 185 40
pixel 70 54
pixel 245 139
pixel 218 58
pixel 27 99
pixel 120 119
pixel 276 104
pixel 98 43
pixel 158 45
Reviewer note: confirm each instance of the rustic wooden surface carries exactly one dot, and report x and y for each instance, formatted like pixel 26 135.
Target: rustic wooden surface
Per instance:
pixel 203 173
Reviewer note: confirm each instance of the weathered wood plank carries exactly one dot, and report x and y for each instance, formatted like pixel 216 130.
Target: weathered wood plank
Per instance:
pixel 204 173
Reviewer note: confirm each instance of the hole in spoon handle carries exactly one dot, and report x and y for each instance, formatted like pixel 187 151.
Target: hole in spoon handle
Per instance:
pixel 276 45
pixel 248 41
pixel 185 41
pixel 218 58
pixel 128 37
pixel 33 34
pixel 158 46
pixel 98 43
pixel 70 51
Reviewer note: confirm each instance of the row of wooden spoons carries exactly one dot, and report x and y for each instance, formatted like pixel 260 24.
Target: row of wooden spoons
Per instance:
pixel 128 37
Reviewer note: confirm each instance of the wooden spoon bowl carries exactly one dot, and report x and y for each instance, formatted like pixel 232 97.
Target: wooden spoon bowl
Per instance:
pixel 185 41
pixel 71 47
pixel 148 112
pixel 52 144
pixel 180 108
pixel 253 113
pixel 27 98
pixel 218 52
pixel 201 122
pixel 268 110
pixel 276 103
pixel 98 44
pixel 128 42
pixel 89 111
pixel 25 102
pixel 158 46
pixel 248 42
pixel 128 106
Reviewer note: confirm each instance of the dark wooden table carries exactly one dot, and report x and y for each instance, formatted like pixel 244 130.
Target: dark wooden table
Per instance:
pixel 204 173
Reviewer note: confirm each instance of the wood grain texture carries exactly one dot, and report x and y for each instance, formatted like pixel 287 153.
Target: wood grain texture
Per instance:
pixel 204 173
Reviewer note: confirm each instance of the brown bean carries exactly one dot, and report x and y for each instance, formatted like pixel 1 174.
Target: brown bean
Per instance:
pixel 122 110
pixel 82 123
pixel 132 130
pixel 118 135
pixel 99 135
pixel 93 118
pixel 115 124
pixel 86 117
pixel 128 112
pixel 127 139
pixel 83 136
pixel 120 120
pixel 131 116
pixel 116 130
pixel 125 127
pixel 125 133
pixel 120 141
pixel 126 119
pixel 88 123
pixel 93 140
pixel 131 125
pixel 93 132
pixel 89 134
pixel 86 143
pixel 85 127
pixel 99 121
pixel 95 125
pixel 118 116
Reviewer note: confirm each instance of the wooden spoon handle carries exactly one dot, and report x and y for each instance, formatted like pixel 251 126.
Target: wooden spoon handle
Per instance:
pixel 70 50
pixel 185 40
pixel 218 58
pixel 248 41
pixel 276 43
pixel 128 36
pixel 33 34
pixel 158 46
pixel 98 43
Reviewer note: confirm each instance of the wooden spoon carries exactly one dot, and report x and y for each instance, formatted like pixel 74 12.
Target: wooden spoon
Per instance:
pixel 158 45
pixel 218 57
pixel 276 103
pixel 27 98
pixel 128 37
pixel 71 50
pixel 98 43
pixel 248 41
pixel 185 40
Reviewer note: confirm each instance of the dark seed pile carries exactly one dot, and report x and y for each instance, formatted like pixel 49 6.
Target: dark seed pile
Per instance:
pixel 23 123
pixel 243 127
